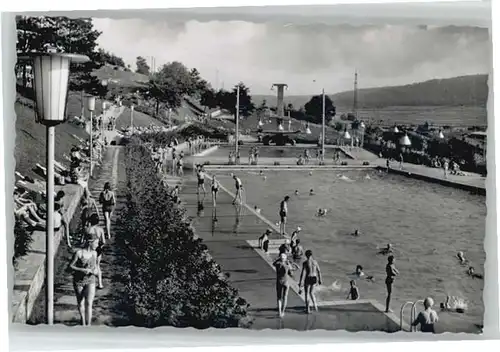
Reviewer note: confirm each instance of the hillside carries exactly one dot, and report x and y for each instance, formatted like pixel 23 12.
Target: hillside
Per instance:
pixel 456 91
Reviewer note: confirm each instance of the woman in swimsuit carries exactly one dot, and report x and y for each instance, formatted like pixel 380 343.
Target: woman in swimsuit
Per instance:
pixel 239 189
pixel 215 190
pixel 89 207
pixel 84 267
pixel 108 201
pixel 283 272
pixel 94 230
pixel 180 169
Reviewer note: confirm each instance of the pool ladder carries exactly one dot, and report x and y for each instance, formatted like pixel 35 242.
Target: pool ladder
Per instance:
pixel 413 313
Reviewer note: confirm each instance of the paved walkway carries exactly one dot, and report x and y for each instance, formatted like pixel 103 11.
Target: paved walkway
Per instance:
pixel 107 310
pixel 231 240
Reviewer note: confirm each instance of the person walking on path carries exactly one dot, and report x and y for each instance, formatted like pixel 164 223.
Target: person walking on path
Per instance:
pixel 283 214
pixel 94 230
pixel 84 268
pixel 108 201
pixel 427 318
pixel 283 273
pixel 312 276
pixel 89 207
pixel 391 272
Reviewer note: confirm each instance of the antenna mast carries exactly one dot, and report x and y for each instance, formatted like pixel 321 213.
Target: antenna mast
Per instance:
pixel 355 102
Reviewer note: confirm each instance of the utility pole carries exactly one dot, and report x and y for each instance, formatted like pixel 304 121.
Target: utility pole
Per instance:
pixel 323 125
pixel 237 118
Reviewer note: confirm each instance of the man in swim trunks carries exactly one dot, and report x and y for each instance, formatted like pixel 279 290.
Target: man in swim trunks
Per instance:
pixel 391 272
pixel 264 241
pixel 312 276
pixel 200 175
pixel 285 247
pixel 283 214
pixel 239 189
pixel 427 318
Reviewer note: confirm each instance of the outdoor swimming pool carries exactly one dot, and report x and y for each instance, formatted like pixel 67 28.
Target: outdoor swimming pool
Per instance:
pixel 426 223
pixel 275 152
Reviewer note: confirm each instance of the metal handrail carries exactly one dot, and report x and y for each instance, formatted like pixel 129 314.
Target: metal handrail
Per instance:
pixel 413 315
pixel 402 312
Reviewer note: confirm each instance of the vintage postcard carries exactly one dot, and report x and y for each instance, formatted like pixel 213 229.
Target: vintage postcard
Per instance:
pixel 254 170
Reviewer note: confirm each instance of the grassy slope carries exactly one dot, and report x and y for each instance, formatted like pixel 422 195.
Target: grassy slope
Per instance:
pixel 465 90
pixel 140 120
pixel 30 138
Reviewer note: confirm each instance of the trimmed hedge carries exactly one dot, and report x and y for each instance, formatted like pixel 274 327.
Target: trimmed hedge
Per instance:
pixel 23 238
pixel 171 279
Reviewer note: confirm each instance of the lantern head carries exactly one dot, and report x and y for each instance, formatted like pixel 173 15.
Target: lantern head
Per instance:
pixel 51 80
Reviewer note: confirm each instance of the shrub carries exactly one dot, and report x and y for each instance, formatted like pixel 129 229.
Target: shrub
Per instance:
pixel 171 279
pixel 23 238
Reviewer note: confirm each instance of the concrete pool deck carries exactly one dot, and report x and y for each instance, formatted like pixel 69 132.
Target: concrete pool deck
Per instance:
pixel 231 241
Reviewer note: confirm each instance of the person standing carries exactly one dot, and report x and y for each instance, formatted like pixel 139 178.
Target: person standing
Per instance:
pixel 215 190
pixel 312 276
pixel 391 273
pixel 108 201
pixel 427 318
pixel 84 268
pixel 283 212
pixel 239 190
pixel 94 230
pixel 445 168
pixel 283 273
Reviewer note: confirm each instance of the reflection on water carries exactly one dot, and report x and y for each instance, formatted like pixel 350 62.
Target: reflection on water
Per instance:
pixel 427 224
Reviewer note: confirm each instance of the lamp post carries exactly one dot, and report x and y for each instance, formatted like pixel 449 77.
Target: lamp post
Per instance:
pixel 237 118
pixel 362 126
pixel 104 107
pixel 51 76
pixel 91 108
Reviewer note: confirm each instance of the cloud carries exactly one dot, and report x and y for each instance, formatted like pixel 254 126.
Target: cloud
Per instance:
pixel 262 53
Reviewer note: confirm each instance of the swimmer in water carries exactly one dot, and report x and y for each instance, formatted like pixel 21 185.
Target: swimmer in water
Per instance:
pixel 458 306
pixel 353 291
pixel 471 272
pixel 355 233
pixel 360 274
pixel 311 192
pixel 386 250
pixel 257 209
pixel 310 173
pixel 296 192
pixel 461 257
pixel 322 212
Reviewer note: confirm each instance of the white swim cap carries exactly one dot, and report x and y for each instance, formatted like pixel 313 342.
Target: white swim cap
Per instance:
pixel 299 228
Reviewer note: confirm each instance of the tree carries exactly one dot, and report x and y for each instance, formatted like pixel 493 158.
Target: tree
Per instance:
pixel 142 66
pixel 169 85
pixel 314 108
pixel 208 98
pixel 106 57
pixel 247 107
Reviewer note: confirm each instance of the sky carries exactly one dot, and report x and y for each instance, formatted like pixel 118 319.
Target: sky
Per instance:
pixel 306 56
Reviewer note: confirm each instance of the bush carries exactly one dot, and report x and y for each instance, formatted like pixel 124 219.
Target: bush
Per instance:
pixel 23 238
pixel 171 279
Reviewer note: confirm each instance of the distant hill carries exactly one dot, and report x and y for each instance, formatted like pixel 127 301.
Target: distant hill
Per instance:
pixel 465 90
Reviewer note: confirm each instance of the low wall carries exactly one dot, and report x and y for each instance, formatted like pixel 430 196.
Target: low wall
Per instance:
pixel 29 276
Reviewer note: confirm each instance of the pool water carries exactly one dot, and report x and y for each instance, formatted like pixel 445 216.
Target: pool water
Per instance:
pixel 276 152
pixel 426 223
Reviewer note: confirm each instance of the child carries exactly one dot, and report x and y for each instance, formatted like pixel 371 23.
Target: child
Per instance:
pixel 353 291
pixel 264 241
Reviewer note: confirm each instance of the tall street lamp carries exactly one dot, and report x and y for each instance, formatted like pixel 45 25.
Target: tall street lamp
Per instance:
pixel 51 78
pixel 91 108
pixel 362 126
pixel 323 113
